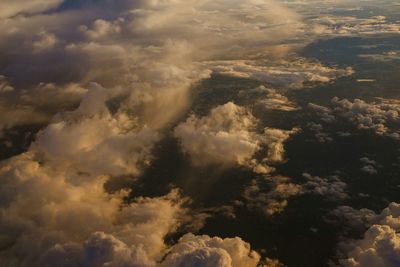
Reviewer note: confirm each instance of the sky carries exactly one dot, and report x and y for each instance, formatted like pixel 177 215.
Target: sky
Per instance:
pixel 128 127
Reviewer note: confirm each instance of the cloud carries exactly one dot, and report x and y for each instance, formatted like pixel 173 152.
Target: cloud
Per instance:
pixel 354 26
pixel 320 135
pixel 379 246
pixel 44 41
pixel 5 86
pixel 267 98
pixel 102 29
pixel 37 105
pixel 287 73
pixel 225 136
pixel 274 198
pixel 369 166
pixel 74 222
pixel 206 251
pixel 377 116
pixel 11 8
pixel 39 200
pixel 126 78
pixel 271 194
pixel 228 136
pixel 384 57
pixel 351 219
pixel 331 187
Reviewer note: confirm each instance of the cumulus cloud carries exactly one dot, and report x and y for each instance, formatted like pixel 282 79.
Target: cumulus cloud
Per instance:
pixel 228 136
pixel 37 105
pixel 369 166
pixel 320 135
pixel 5 86
pixel 380 244
pixel 273 198
pixel 52 216
pixel 331 187
pixel 271 194
pixel 91 139
pixel 45 199
pixel 267 98
pixel 206 251
pixel 44 41
pixel 374 116
pixel 350 218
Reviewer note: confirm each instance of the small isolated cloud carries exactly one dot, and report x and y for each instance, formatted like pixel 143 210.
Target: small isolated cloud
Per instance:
pixel 331 187
pixel 369 169
pixel 273 197
pixel 370 166
pixel 228 136
pixel 320 135
pixel 5 86
pixel 44 40
pixel 267 98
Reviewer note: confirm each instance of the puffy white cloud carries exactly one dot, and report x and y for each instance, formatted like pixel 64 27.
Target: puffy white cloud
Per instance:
pixel 56 217
pixel 375 116
pixel 380 245
pixel 91 139
pixel 46 209
pixel 206 251
pixel 228 136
